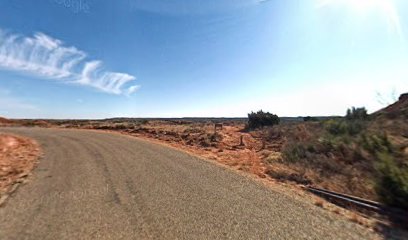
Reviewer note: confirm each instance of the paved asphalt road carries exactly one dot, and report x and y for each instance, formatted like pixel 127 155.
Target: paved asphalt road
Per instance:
pixel 92 185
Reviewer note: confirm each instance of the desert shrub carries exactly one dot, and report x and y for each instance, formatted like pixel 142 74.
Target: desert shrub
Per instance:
pixel 310 119
pixel 144 121
pixel 294 177
pixel 209 139
pixel 215 137
pixel 307 155
pixel 261 119
pixel 392 183
pixel 102 127
pixel 355 127
pixel 191 129
pixel 119 126
pixel 28 123
pixel 376 143
pixel 294 152
pixel 326 144
pixel 342 127
pixel 391 176
pixel 357 113
pixel 275 134
pixel 335 127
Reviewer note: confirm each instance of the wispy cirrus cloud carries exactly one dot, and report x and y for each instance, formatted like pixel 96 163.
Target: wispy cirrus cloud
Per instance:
pixel 47 57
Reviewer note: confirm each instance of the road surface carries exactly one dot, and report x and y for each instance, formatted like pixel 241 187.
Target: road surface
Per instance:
pixel 94 185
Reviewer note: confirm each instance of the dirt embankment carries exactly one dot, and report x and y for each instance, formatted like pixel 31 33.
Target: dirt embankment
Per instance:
pixel 18 156
pixel 230 145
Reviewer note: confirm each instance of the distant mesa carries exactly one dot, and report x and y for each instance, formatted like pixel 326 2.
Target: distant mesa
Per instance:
pixel 5 121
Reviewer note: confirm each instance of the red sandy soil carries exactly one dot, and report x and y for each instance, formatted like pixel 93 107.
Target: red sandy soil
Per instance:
pixel 18 156
pixel 247 157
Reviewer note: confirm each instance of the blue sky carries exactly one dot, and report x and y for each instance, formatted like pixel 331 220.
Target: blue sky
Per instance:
pixel 214 58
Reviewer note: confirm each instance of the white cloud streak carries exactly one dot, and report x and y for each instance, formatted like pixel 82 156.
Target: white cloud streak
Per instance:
pixel 46 57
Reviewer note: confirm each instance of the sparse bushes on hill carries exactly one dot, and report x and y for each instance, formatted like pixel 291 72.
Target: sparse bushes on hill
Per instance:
pixel 353 124
pixel 391 176
pixel 261 119
pixel 347 151
pixel 295 152
pixel 342 127
pixel 375 144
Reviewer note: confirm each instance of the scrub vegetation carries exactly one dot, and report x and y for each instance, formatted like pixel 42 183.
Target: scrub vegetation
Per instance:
pixel 361 154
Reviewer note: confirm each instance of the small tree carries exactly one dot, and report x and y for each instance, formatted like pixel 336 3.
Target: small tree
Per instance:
pixel 357 113
pixel 260 119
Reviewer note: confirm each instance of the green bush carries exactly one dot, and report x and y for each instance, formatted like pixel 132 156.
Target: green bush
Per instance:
pixel 306 155
pixel 357 114
pixel 295 152
pixel 335 127
pixel 392 183
pixel 341 127
pixel 376 144
pixel 144 121
pixel 261 119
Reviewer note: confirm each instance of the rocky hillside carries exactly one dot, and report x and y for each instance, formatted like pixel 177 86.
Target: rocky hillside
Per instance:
pixel 397 110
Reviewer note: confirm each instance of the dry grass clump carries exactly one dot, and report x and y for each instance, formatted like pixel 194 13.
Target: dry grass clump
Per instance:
pixel 319 203
pixel 18 157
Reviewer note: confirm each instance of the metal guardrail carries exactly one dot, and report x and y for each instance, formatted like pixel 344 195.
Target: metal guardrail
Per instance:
pixel 356 201
pixel 396 215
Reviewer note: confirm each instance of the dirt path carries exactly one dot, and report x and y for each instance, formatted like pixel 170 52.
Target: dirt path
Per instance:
pixel 92 185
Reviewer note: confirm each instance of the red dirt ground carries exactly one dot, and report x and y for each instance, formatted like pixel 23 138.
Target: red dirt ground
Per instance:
pixel 18 156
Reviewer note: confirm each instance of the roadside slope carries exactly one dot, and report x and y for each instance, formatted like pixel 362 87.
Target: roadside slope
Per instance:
pixel 95 185
pixel 18 156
